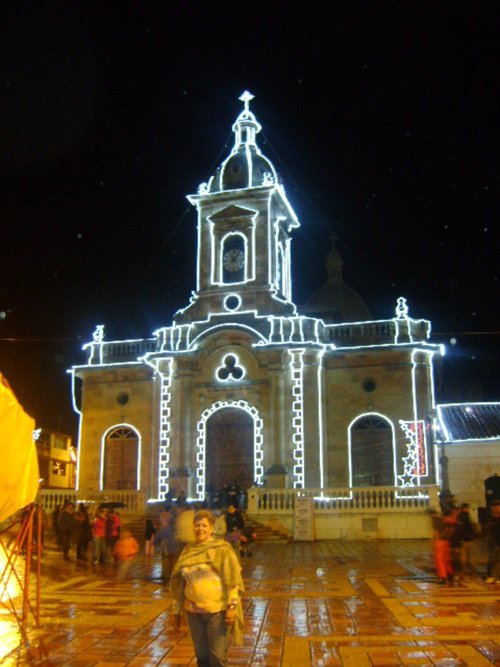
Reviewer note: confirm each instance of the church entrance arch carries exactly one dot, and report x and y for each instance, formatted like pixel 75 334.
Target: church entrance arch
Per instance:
pixel 229 446
pixel 120 458
pixel 372 451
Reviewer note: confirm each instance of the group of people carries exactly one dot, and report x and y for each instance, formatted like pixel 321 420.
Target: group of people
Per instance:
pixel 175 529
pixel 73 526
pixel 203 550
pixel 453 533
pixel 218 497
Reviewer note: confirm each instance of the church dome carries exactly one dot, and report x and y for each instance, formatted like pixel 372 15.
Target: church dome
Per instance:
pixel 245 167
pixel 335 302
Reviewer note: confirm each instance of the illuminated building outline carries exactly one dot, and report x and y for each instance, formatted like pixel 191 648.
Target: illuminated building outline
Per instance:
pixel 297 377
pixel 226 365
pixel 237 298
pixel 349 441
pixel 165 414
pixel 415 462
pixel 216 307
pixel 258 444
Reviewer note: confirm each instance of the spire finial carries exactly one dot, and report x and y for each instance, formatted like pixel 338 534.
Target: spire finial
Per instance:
pixel 246 98
pixel 401 308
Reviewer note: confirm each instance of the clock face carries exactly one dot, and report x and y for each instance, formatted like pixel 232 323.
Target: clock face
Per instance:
pixel 234 260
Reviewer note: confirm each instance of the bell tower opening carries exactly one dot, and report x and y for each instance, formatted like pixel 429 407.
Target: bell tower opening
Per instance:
pixel 230 448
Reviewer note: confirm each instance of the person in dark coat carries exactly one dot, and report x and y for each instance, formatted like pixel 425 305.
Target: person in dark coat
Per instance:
pixel 465 534
pixel 83 532
pixel 66 524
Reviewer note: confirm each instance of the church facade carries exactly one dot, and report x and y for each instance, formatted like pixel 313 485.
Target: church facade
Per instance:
pixel 242 387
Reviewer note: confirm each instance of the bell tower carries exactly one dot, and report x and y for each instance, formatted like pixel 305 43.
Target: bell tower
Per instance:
pixel 244 234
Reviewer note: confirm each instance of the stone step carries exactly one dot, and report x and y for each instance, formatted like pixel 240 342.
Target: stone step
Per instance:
pixel 265 533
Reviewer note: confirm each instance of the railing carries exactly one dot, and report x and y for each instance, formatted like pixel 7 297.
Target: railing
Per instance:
pixel 133 501
pixel 366 499
pixel 114 352
pixel 378 332
pixel 52 498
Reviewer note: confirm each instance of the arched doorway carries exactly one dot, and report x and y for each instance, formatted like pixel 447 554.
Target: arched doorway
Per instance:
pixel 372 451
pixel 229 454
pixel 121 455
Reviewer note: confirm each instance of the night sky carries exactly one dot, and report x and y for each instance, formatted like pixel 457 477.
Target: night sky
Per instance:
pixel 380 116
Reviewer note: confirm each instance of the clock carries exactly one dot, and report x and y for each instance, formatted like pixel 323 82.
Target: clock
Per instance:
pixel 233 260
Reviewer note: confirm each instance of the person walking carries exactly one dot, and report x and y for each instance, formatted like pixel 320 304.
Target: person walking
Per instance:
pixel 125 550
pixel 206 583
pixel 467 533
pixel 444 527
pixel 184 531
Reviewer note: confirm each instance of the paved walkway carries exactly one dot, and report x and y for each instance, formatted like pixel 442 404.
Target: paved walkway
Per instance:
pixel 327 603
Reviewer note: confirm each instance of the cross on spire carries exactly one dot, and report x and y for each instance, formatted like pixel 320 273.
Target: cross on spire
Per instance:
pixel 246 98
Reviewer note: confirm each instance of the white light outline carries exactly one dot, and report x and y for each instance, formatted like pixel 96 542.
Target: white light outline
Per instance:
pixel 235 296
pixel 238 364
pixel 232 325
pixel 362 415
pixel 215 250
pixel 226 239
pixel 412 459
pixel 245 129
pixel 320 418
pixel 245 121
pixel 103 448
pixel 297 378
pixel 416 412
pixel 71 371
pixel 165 421
pixel 258 441
pixel 184 342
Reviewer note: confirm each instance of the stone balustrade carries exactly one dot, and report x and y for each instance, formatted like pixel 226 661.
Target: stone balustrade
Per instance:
pixel 115 352
pixel 342 500
pixel 134 501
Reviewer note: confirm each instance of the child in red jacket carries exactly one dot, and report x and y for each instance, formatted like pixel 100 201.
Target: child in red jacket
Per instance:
pixel 124 552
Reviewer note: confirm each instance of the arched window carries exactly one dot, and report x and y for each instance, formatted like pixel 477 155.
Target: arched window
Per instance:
pixel 372 451
pixel 233 254
pixel 121 456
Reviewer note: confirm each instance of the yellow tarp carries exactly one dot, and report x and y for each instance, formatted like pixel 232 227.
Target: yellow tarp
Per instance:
pixel 18 460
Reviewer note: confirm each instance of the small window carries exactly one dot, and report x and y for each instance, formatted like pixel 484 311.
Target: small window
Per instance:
pixel 60 442
pixel 122 398
pixel 369 385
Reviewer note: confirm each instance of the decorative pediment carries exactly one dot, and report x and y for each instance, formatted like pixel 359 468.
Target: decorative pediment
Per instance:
pixel 232 212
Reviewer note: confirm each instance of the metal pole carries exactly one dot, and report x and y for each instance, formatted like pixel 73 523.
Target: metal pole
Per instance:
pixel 39 562
pixel 27 570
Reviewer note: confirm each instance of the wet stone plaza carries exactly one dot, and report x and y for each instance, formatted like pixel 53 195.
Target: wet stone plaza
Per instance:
pixel 353 604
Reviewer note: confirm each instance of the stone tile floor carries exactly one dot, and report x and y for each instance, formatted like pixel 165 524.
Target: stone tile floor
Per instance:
pixel 351 604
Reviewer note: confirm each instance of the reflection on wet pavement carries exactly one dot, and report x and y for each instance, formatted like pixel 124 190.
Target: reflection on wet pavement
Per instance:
pixel 321 604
